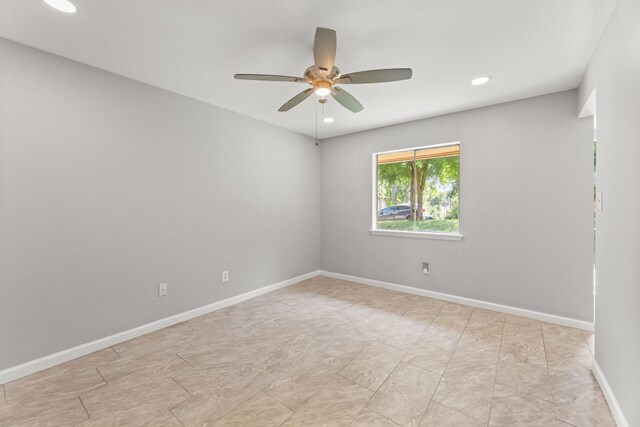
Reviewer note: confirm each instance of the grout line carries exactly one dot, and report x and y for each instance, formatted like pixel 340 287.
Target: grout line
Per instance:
pixel 447 367
pixel 372 396
pixel 546 359
pixel 99 373
pixel 180 357
pixel 84 407
pixel 116 352
pixel 493 392
pixel 374 411
pixel 182 387
pixel 431 400
pixel 302 405
pixel 174 416
pixel 283 404
pixel 593 356
pixel 437 373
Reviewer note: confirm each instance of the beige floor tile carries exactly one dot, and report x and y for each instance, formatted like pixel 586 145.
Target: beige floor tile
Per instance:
pixel 143 407
pixel 523 349
pixel 220 356
pixel 424 310
pixel 101 401
pixel 249 380
pixel 165 419
pixel 456 309
pixel 126 365
pixel 260 410
pixel 438 415
pixel 269 341
pixel 511 408
pixel 449 324
pixel 96 359
pixel 373 365
pixel 294 353
pixel 568 357
pixel 295 388
pixel 205 409
pixel 202 381
pixel 42 412
pixel 154 341
pixel 62 382
pixel 486 321
pixel 402 333
pixel 579 401
pixel 477 360
pixel 337 404
pixel 525 378
pixel 344 300
pixel 405 395
pixel 516 326
pixel 323 348
pixel 432 351
pixel 369 418
pixel 346 348
pixel 562 333
pixel 469 392
pixel 590 338
pixel 476 348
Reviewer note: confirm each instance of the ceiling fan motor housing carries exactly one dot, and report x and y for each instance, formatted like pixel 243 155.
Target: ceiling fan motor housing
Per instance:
pixel 315 74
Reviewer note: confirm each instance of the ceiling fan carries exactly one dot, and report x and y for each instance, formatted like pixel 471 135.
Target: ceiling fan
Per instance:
pixel 323 76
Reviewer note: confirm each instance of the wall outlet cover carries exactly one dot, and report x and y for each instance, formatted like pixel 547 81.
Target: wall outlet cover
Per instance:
pixel 162 289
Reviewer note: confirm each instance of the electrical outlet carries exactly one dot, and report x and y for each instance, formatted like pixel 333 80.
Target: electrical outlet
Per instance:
pixel 426 268
pixel 162 289
pixel 225 276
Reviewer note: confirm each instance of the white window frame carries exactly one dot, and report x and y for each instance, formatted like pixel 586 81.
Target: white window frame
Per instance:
pixel 411 234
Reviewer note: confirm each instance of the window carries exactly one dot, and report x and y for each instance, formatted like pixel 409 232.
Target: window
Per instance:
pixel 418 191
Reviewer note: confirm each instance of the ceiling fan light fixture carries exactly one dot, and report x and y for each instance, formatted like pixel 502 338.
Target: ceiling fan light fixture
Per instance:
pixel 480 80
pixel 328 120
pixel 62 5
pixel 323 91
pixel 323 76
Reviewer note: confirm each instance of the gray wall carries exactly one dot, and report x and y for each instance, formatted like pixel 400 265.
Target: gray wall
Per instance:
pixel 615 74
pixel 109 187
pixel 526 207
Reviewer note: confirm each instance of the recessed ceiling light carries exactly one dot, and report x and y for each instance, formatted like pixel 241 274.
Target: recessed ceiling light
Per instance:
pixel 328 120
pixel 62 5
pixel 480 80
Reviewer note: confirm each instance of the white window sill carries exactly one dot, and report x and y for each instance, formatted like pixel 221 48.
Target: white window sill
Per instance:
pixel 418 234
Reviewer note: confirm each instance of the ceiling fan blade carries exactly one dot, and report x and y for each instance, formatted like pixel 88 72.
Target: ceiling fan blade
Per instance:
pixel 269 78
pixel 296 100
pixel 324 48
pixel 346 99
pixel 375 76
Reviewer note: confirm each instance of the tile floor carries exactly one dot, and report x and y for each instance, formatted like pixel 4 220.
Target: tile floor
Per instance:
pixel 326 352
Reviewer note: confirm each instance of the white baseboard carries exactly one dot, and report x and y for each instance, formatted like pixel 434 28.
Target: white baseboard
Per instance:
pixel 545 317
pixel 45 362
pixel 621 421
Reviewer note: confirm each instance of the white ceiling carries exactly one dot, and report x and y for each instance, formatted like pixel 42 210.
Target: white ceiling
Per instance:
pixel 193 47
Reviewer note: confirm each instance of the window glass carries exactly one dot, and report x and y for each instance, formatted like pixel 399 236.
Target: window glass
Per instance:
pixel 422 187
